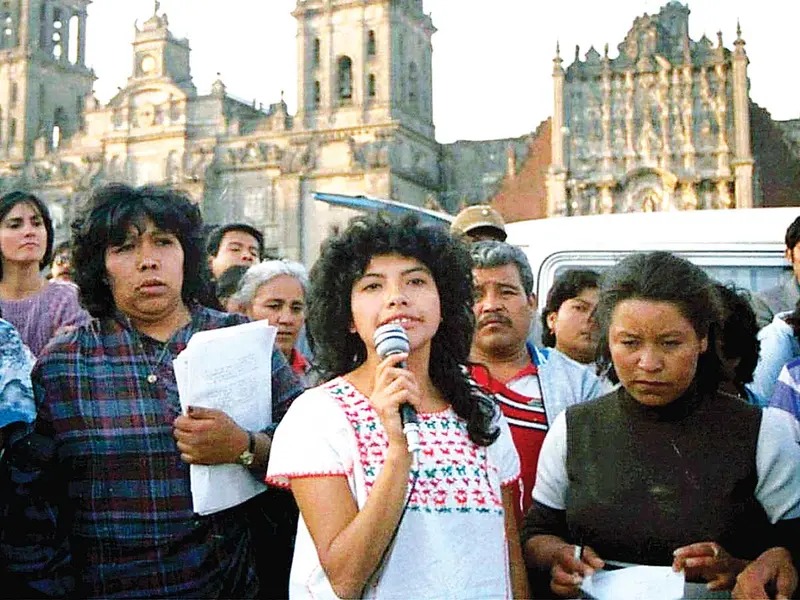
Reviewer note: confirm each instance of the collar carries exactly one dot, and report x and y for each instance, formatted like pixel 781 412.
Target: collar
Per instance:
pixel 298 362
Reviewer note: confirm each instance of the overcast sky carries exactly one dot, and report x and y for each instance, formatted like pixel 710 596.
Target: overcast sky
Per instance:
pixel 492 59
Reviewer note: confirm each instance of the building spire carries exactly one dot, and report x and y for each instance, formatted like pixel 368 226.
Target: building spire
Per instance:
pixel 156 7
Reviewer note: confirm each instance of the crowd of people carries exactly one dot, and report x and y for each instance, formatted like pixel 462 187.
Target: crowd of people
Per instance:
pixel 656 422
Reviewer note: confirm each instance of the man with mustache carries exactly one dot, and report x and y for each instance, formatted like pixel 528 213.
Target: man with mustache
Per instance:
pixel 531 385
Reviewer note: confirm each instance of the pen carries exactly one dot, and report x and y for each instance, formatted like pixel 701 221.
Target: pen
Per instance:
pixel 578 552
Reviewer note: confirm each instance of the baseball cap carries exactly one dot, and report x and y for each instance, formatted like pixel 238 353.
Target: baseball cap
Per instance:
pixel 480 216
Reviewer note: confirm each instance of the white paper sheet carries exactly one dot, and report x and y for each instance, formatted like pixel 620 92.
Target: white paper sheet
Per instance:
pixel 635 583
pixel 229 369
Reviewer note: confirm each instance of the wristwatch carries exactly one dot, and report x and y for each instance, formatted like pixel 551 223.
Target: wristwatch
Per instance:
pixel 247 457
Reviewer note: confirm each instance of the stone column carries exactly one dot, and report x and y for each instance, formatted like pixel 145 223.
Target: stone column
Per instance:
pixel 743 159
pixel 557 174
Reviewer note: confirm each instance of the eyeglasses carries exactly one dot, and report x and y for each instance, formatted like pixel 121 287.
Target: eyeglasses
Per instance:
pixel 61 260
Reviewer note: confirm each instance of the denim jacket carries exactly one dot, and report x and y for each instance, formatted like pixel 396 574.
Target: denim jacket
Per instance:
pixel 564 381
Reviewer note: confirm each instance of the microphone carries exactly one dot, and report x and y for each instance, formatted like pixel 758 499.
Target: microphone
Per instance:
pixel 392 339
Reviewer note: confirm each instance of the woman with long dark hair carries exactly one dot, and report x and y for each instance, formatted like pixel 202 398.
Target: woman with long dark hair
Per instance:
pixel 38 308
pixel 376 516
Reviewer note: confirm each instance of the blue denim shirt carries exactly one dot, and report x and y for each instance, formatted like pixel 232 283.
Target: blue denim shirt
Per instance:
pixel 564 381
pixel 778 346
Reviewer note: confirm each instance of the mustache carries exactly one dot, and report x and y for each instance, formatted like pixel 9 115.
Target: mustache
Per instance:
pixel 490 319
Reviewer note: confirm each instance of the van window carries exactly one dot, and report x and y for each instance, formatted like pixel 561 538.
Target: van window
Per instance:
pixel 754 271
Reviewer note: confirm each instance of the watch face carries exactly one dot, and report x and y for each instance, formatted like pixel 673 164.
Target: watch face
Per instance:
pixel 148 64
pixel 246 458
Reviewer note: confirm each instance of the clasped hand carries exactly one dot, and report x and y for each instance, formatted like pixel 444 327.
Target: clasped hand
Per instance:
pixel 710 562
pixel 206 436
pixel 392 387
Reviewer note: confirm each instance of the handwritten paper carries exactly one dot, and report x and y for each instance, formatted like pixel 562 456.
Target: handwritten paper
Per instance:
pixel 228 369
pixel 635 583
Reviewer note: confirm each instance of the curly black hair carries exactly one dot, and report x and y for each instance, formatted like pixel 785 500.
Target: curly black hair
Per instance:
pixel 567 285
pixel 663 277
pixel 111 211
pixel 343 260
pixel 10 200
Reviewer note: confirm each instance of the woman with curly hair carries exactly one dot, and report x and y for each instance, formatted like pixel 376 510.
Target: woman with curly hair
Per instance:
pixel 374 515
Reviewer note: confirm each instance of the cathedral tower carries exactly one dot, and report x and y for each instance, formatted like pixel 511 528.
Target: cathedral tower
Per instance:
pixel 43 74
pixel 364 62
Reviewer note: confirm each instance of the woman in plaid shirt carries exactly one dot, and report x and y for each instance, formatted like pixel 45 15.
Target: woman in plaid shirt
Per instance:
pixel 101 505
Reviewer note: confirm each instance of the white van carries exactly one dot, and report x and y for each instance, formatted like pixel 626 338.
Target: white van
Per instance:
pixel 743 246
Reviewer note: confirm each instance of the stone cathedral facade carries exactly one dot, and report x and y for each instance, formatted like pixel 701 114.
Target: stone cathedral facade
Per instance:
pixel 665 125
pixel 364 123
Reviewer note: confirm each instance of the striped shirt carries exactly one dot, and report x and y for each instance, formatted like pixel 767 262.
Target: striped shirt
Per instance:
pixel 102 504
pixel 526 418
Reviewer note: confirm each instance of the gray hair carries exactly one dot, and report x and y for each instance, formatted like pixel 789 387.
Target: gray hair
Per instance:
pixel 488 254
pixel 264 272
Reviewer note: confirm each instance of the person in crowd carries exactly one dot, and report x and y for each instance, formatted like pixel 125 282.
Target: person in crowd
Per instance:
pixel 771 575
pixel 784 296
pixel 102 504
pixel 738 342
pixel 479 222
pixel 17 411
pixel 227 286
pixel 61 265
pixel 275 290
pixel 779 344
pixel 378 520
pixel 531 385
pixel 567 323
pixel 39 309
pixel 709 482
pixel 233 244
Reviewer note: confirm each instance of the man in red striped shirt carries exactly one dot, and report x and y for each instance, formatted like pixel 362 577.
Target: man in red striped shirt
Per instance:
pixel 531 385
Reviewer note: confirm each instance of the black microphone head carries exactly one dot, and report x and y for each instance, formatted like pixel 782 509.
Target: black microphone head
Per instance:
pixel 391 339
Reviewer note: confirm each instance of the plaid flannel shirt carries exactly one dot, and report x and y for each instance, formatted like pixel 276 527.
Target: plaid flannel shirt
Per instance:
pixel 100 503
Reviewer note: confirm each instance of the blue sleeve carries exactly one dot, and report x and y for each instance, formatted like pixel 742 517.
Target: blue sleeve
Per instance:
pixel 786 395
pixel 36 548
pixel 778 346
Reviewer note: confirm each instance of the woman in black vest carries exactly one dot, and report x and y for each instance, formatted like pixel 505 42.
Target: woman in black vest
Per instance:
pixel 667 469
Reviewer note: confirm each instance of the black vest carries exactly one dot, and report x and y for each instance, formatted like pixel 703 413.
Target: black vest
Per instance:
pixel 644 481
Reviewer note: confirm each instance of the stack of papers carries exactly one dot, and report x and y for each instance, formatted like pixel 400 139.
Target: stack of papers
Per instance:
pixel 229 369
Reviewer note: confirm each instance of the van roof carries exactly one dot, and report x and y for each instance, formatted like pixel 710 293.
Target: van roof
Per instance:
pixel 673 230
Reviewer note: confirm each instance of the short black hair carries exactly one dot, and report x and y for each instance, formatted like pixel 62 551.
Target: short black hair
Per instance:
pixel 62 247
pixel 663 277
pixel 110 212
pixel 10 200
pixel 343 260
pixel 739 336
pixel 567 285
pixel 793 234
pixel 216 235
pixel 228 282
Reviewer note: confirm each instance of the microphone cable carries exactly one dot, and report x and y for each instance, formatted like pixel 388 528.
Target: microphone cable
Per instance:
pixel 385 554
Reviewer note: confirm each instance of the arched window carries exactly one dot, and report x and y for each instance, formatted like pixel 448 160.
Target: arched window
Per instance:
pixel 14 94
pixel 315 52
pixel 413 84
pixel 345 79
pixel 8 39
pixel 74 40
pixel 57 134
pixel 58 34
pixel 371 47
pixel 371 86
pixel 12 130
pixel 317 94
